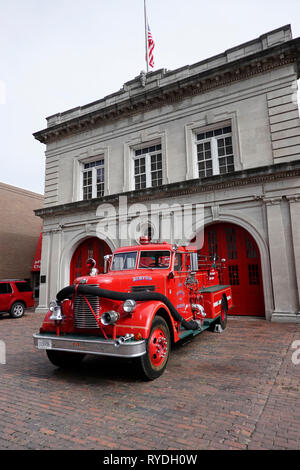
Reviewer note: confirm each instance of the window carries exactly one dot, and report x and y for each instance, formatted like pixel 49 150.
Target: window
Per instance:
pixel 148 167
pixel 231 243
pixel 253 274
pixel 90 250
pixel 250 248
pixel 154 259
pixel 23 287
pixel 93 179
pixel 5 288
pixel 124 261
pixel 234 279
pixel 215 152
pixel 212 244
pixel 178 262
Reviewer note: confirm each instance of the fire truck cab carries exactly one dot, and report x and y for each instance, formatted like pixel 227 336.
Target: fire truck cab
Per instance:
pixel 150 296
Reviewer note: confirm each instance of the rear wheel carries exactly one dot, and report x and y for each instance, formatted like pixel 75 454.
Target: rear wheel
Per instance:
pixel 17 310
pixel 222 319
pixel 152 364
pixel 64 359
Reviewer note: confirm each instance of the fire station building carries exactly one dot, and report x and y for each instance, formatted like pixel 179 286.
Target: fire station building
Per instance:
pixel 223 133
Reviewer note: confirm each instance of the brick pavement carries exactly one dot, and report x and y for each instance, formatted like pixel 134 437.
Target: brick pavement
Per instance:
pixel 235 390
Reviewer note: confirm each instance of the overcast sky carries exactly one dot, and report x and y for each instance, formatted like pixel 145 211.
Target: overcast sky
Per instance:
pixel 58 54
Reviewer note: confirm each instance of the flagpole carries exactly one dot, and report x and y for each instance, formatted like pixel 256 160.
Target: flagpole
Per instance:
pixel 146 36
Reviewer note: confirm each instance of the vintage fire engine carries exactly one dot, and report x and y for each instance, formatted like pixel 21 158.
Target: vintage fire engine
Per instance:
pixel 149 296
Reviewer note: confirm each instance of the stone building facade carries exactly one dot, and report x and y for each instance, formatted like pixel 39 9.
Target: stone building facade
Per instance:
pixel 223 133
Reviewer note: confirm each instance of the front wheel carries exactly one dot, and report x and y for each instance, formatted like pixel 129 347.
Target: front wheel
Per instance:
pixel 64 359
pixel 152 364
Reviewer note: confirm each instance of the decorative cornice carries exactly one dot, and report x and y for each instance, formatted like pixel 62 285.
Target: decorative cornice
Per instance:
pixel 185 188
pixel 293 198
pixel 273 201
pixel 241 69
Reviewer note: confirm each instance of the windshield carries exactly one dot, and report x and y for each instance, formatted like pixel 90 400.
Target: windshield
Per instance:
pixel 155 259
pixel 123 261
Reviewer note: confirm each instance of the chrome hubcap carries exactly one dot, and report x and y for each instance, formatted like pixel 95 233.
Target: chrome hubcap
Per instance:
pixel 18 310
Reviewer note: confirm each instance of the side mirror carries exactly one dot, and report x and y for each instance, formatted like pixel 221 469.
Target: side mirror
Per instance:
pixel 107 259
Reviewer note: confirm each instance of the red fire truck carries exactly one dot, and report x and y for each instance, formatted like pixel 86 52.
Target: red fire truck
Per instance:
pixel 150 296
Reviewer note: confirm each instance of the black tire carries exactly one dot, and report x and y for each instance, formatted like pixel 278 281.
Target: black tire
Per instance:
pixel 151 365
pixel 222 319
pixel 65 360
pixel 17 310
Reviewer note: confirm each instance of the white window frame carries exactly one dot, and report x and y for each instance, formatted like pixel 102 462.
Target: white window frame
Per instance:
pixel 89 155
pixel 204 123
pixel 94 176
pixel 138 140
pixel 213 147
pixel 147 157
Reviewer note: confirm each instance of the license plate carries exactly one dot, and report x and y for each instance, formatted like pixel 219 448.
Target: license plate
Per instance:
pixel 44 344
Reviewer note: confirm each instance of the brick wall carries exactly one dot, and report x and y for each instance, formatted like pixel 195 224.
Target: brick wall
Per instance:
pixel 19 230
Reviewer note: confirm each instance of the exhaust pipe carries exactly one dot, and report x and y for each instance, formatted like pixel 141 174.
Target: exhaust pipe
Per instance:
pixel 122 339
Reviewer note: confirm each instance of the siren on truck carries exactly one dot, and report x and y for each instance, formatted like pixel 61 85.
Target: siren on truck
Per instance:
pixel 144 240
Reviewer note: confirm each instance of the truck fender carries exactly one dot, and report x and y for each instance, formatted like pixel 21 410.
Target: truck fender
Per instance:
pixel 146 311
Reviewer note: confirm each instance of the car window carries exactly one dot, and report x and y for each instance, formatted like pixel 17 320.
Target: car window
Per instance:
pixel 154 259
pixel 23 287
pixel 178 262
pixel 5 288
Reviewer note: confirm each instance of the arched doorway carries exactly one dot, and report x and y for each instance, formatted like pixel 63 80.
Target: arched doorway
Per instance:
pixel 243 265
pixel 89 248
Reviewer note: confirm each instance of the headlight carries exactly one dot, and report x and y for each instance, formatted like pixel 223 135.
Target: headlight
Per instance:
pixel 129 305
pixel 56 311
pixel 53 305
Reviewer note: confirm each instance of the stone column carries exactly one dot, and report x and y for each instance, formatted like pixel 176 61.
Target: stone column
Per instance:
pixel 44 273
pixel 294 202
pixel 283 292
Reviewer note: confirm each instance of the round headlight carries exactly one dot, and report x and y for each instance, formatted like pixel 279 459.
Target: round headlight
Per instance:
pixel 129 305
pixel 52 305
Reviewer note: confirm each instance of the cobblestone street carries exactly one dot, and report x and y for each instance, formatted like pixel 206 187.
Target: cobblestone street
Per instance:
pixel 235 390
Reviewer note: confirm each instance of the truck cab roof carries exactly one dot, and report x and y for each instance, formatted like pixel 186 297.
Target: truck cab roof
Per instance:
pixel 156 246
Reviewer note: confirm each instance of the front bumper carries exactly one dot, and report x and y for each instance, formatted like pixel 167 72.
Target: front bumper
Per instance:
pixel 89 345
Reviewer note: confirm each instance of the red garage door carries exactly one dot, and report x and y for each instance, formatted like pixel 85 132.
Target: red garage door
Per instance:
pixel 243 263
pixel 90 248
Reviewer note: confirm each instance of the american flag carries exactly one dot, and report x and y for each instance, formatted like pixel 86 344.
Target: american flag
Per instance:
pixel 151 45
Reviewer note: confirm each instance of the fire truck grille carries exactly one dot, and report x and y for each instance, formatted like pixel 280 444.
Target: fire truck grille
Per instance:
pixel 83 317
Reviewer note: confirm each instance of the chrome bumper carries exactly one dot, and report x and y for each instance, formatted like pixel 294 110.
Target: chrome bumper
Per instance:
pixel 101 347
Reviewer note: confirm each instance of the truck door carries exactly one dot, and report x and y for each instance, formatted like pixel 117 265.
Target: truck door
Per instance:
pixel 178 293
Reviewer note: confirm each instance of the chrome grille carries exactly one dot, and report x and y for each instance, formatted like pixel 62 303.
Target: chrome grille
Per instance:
pixel 83 317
